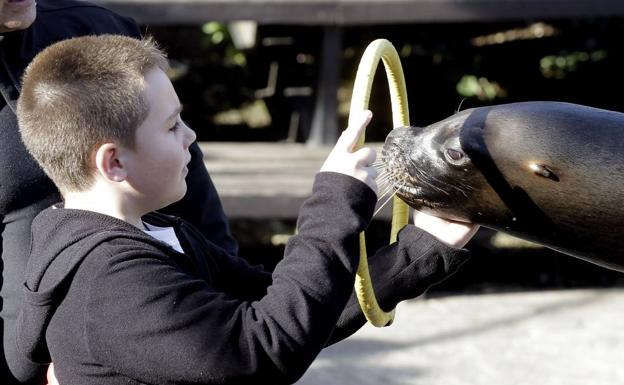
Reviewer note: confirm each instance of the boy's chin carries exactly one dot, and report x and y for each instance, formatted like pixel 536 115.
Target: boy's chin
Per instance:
pixel 173 200
pixel 181 195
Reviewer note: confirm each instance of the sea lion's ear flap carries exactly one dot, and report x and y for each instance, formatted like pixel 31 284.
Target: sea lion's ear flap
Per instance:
pixel 544 171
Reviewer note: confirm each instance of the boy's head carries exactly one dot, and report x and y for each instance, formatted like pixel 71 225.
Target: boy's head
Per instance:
pixel 80 93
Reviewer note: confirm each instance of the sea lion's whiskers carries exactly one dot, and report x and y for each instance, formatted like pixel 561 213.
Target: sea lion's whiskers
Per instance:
pixel 389 185
pixel 386 202
pixel 385 191
pixel 379 162
pixel 460 104
pixel 459 186
pixel 382 186
pixel 382 193
pixel 423 178
pixel 465 186
pixel 384 174
pixel 383 179
pixel 449 185
pixel 379 165
pixel 380 169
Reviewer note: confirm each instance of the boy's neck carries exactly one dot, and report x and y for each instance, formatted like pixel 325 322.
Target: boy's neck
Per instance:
pixel 107 204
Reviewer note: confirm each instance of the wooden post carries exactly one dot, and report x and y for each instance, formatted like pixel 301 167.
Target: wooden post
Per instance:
pixel 324 130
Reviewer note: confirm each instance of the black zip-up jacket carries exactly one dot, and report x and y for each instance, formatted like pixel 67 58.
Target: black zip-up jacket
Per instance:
pixel 109 304
pixel 24 188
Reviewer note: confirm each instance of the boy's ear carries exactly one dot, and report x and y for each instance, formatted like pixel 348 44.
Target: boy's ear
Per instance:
pixel 109 162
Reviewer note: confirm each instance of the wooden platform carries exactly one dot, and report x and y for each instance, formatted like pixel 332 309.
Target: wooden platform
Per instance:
pixel 263 180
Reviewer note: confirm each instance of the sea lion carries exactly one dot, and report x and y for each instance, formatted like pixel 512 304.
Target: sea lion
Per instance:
pixel 548 172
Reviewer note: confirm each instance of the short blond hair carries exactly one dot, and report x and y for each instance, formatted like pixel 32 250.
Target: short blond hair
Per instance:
pixel 80 93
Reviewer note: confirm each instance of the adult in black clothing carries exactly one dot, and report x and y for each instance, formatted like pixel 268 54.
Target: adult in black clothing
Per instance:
pixel 24 189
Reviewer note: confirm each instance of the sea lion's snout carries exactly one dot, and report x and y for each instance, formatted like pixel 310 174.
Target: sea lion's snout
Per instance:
pixel 427 166
pixel 401 137
pixel 396 159
pixel 409 159
pixel 398 149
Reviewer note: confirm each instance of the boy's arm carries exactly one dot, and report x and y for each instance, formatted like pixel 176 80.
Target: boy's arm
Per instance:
pixel 401 271
pixel 239 279
pixel 171 324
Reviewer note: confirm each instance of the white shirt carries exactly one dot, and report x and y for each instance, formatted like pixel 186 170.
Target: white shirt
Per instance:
pixel 164 234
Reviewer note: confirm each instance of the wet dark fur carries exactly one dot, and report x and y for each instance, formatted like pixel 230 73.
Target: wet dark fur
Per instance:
pixel 474 166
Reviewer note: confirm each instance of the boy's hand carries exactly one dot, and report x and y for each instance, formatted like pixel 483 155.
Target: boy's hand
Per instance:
pixel 357 164
pixel 453 233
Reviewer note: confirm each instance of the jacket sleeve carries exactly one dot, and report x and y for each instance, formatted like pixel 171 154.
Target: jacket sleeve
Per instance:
pixel 401 271
pixel 172 326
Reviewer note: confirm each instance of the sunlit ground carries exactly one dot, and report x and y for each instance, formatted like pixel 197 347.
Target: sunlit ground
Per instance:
pixel 547 338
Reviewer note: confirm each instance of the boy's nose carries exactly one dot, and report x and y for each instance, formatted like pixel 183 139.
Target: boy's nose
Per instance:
pixel 190 135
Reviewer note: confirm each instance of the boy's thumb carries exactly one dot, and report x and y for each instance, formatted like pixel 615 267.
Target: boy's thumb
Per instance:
pixel 352 133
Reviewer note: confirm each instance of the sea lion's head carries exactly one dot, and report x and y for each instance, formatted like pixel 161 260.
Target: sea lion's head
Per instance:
pixel 430 169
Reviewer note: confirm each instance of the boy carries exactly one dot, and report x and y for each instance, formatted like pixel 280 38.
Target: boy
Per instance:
pixel 119 294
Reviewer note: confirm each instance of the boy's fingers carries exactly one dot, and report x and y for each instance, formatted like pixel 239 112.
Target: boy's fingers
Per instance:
pixel 371 178
pixel 372 172
pixel 351 134
pixel 365 156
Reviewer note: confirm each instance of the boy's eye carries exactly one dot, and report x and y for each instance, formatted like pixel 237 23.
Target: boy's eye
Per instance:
pixel 175 126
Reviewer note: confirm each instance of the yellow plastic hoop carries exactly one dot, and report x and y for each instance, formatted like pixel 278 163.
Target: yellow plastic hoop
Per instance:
pixel 384 50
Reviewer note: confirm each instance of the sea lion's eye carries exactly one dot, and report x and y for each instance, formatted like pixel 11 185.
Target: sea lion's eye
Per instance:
pixel 454 155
